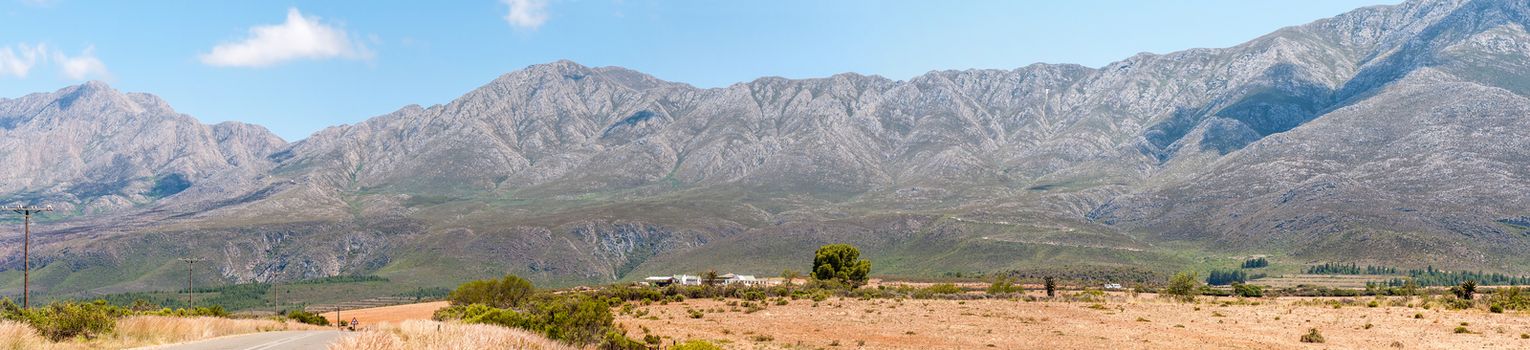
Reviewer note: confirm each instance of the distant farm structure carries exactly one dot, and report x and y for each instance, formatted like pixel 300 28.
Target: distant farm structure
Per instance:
pixel 694 280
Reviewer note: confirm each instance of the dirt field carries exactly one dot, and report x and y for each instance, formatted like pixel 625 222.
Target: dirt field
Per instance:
pixel 391 314
pixel 1120 322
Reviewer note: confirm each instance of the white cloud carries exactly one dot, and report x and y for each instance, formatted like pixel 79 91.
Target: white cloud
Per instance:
pixel 18 61
pixel 299 38
pixel 526 14
pixel 85 65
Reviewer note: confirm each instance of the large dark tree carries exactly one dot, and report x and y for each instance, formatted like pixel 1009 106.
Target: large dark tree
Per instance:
pixel 840 263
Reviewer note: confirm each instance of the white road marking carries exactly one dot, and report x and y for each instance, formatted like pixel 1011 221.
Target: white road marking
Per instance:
pixel 274 343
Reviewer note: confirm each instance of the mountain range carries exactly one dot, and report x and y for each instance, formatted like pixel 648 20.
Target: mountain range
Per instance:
pixel 1396 135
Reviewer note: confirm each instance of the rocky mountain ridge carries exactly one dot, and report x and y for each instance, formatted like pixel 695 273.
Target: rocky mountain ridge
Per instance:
pixel 1383 133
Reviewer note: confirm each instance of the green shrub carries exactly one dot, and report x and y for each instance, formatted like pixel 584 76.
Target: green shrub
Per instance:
pixel 307 317
pixel 507 292
pixel 1512 298
pixel 1003 285
pixel 1313 336
pixel 696 345
pixel 619 341
pixel 1462 330
pixel 1456 303
pixel 65 320
pixel 209 311
pixel 1247 291
pixel 944 288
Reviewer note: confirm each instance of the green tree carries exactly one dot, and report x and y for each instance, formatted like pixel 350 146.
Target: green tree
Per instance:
pixel 841 263
pixel 1051 285
pixel 506 292
pixel 1184 286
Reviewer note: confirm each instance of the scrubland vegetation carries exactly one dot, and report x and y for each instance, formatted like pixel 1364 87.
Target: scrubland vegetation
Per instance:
pixel 97 325
pixel 422 335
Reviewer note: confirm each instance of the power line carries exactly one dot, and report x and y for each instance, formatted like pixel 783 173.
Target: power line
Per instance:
pixel 26 249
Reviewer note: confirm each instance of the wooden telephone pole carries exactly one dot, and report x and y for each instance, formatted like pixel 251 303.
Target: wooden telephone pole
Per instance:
pixel 26 249
pixel 190 291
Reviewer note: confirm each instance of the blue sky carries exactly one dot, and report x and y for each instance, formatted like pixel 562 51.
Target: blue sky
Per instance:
pixel 299 66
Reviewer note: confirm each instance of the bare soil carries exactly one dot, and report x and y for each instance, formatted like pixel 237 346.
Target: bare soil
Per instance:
pixel 1116 321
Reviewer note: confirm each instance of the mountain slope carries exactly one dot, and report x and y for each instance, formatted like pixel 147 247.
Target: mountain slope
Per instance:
pixel 1382 135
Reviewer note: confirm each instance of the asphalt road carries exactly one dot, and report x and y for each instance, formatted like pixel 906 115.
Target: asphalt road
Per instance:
pixel 284 340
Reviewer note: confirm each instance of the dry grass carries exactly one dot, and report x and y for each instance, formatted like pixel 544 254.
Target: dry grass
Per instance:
pixel 144 331
pixel 432 335
pixel 1114 322
pixel 18 336
pixel 155 330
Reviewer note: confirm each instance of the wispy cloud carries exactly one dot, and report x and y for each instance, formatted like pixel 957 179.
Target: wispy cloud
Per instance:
pixel 298 38
pixel 85 65
pixel 526 14
pixel 19 60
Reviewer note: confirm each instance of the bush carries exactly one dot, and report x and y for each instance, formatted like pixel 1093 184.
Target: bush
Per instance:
pixel 618 341
pixel 696 345
pixel 841 263
pixel 1512 298
pixel 577 319
pixel 1465 290
pixel 944 288
pixel 507 292
pixel 307 317
pixel 1456 303
pixel 1247 291
pixel 1003 285
pixel 210 311
pixel 1313 336
pixel 574 319
pixel 1183 286
pixel 65 320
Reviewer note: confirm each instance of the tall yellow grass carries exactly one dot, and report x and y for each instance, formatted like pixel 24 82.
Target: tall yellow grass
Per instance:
pixel 155 330
pixel 432 335
pixel 138 331
pixel 19 336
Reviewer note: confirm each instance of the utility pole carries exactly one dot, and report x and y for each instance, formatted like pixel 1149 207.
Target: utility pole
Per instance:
pixel 26 249
pixel 190 291
pixel 276 287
